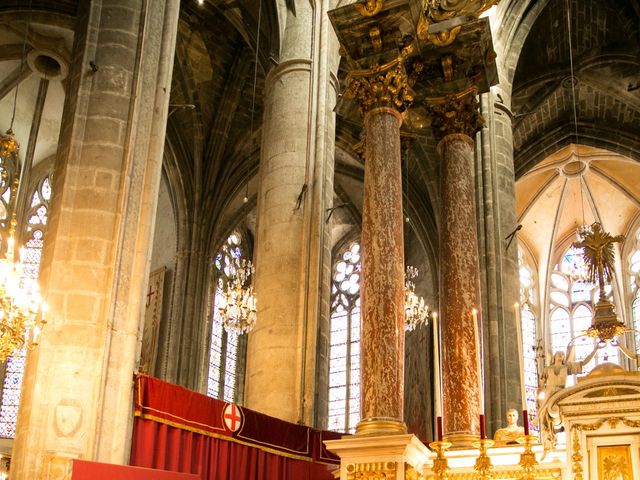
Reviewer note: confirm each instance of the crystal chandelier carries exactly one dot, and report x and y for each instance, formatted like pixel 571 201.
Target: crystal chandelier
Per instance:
pixel 236 302
pixel 22 311
pixel 416 313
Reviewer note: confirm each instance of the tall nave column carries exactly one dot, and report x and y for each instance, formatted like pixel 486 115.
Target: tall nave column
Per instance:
pixel 77 393
pixel 455 121
pixel 292 251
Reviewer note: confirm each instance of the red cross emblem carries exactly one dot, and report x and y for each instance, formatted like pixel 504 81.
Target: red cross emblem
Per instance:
pixel 232 417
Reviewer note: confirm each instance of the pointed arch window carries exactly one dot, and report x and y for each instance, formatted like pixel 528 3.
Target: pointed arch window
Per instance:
pixel 571 309
pixel 529 327
pixel 634 289
pixel 344 354
pixel 36 215
pixel 228 349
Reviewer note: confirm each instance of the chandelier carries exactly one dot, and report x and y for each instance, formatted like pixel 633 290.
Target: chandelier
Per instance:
pixel 22 311
pixel 236 301
pixel 416 313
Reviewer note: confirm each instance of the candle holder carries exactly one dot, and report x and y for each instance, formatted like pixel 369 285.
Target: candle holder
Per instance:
pixel 440 463
pixel 483 466
pixel 528 461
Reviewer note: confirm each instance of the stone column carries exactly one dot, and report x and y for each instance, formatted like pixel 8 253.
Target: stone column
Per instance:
pixel 455 122
pixel 77 392
pixel 382 283
pixel 295 189
pixel 501 285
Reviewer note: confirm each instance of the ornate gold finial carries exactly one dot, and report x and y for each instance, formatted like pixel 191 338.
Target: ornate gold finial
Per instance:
pixel 455 114
pixel 384 89
pixel 369 8
pixel 597 248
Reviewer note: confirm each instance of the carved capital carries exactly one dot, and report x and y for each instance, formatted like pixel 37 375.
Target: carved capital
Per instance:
pixel 384 89
pixel 455 115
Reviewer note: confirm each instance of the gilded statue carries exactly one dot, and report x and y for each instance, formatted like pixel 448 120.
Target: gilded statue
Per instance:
pixel 509 435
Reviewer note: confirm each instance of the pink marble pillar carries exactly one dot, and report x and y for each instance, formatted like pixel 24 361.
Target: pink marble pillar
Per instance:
pixel 382 284
pixel 459 288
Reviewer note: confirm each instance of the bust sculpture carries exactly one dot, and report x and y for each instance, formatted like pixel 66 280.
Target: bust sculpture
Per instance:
pixel 509 434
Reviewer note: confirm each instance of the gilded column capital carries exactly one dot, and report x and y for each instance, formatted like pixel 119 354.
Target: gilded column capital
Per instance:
pixel 389 89
pixel 455 114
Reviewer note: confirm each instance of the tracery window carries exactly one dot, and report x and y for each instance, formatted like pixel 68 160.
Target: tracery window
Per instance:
pixel 571 309
pixel 344 354
pixel 529 334
pixel 634 284
pixel 227 353
pixel 36 224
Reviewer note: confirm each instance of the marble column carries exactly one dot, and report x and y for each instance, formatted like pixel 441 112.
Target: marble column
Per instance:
pixel 455 122
pixel 77 391
pixel 382 283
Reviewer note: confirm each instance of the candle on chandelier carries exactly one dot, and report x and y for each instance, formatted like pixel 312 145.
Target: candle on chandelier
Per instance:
pixel 439 428
pixel 483 433
pixel 525 421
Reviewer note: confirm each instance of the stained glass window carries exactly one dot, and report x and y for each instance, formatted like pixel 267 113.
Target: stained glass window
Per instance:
pixel 634 281
pixel 34 234
pixel 344 353
pixel 529 335
pixel 226 357
pixel 571 301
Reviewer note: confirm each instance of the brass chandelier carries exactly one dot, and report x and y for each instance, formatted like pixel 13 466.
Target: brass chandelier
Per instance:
pixel 22 311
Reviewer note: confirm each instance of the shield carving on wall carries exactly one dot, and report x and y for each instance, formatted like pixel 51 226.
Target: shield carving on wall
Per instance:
pixel 68 417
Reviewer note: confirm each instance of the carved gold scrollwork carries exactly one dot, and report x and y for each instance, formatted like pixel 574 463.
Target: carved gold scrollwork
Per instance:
pixel 612 421
pixel 576 458
pixel 455 114
pixel 441 10
pixel 376 40
pixel 371 471
pixel 440 39
pixel 411 473
pixel 386 89
pixel 369 8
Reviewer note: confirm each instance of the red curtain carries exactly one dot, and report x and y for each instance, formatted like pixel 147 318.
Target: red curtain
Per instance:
pixel 165 437
pixel 161 446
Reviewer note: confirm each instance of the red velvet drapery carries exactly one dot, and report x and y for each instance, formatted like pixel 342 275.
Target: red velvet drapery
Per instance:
pixel 183 431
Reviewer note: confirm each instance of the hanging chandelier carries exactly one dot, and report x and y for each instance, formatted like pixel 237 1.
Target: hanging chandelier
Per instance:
pixel 416 313
pixel 236 301
pixel 22 311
